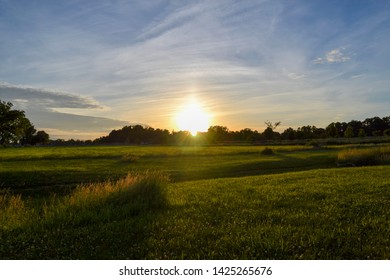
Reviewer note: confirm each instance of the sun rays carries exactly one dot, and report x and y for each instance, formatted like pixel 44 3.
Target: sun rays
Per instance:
pixel 193 118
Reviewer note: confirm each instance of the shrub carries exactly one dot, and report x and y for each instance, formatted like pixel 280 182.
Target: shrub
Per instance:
pixel 267 151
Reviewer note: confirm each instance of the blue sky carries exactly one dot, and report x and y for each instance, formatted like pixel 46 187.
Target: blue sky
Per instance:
pixel 82 68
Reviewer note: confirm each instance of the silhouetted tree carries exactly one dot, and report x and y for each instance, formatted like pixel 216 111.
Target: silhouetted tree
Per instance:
pixel 217 134
pixel 361 133
pixel 271 125
pixel 29 135
pixel 269 133
pixel 349 132
pixel 331 130
pixel 247 135
pixel 41 138
pixel 356 126
pixel 289 134
pixel 375 124
pixel 306 132
pixel 14 126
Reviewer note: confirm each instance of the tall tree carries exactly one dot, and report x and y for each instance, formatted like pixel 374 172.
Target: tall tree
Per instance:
pixel 269 133
pixel 348 133
pixel 375 125
pixel 217 134
pixel 14 126
pixel 41 138
pixel 271 125
pixel 289 134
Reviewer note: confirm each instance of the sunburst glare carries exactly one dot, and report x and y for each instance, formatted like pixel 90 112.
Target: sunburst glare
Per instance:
pixel 193 118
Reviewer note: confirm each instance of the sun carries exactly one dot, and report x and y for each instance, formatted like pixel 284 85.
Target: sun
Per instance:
pixel 193 118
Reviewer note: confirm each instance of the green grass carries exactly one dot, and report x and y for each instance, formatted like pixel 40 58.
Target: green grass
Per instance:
pixel 194 203
pixel 365 156
pixel 59 168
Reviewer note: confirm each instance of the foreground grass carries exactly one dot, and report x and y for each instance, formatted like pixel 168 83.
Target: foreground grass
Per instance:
pixel 316 214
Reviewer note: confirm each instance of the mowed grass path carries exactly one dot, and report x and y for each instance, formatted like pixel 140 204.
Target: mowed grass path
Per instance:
pixel 295 205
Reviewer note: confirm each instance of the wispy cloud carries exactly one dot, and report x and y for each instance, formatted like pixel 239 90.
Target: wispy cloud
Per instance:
pixel 247 61
pixel 334 56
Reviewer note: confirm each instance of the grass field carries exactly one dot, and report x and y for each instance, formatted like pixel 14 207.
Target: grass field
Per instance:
pixel 222 202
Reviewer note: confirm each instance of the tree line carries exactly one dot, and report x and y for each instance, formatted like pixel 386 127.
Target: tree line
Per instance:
pixel 15 128
pixel 137 134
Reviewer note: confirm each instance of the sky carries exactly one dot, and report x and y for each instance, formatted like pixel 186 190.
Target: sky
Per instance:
pixel 80 69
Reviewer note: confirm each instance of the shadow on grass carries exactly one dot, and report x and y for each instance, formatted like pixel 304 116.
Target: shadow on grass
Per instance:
pixel 279 217
pixel 45 182
pixel 52 176
pixel 270 164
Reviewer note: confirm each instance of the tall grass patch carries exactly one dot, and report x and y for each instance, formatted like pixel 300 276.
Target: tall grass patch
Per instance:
pixel 13 211
pixel 365 156
pixel 72 225
pixel 101 202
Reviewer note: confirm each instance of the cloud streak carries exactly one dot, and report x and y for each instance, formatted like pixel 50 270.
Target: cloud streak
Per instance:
pixel 42 105
pixel 246 61
pixel 47 98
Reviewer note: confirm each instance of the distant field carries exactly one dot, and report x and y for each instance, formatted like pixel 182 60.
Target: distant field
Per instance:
pixel 58 167
pixel 222 202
